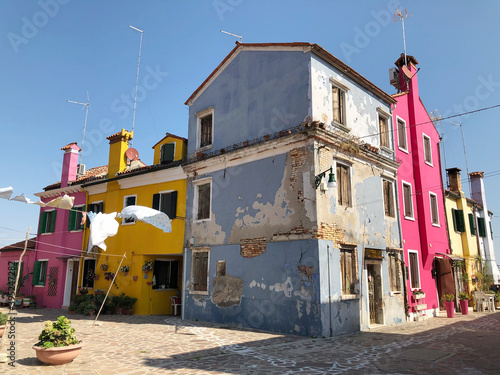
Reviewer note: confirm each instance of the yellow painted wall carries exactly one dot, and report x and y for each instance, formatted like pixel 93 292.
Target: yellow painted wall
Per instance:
pixel 140 242
pixel 180 148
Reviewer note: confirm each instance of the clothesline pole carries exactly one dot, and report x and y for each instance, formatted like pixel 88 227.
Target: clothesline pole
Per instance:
pixel 3 356
pixel 109 289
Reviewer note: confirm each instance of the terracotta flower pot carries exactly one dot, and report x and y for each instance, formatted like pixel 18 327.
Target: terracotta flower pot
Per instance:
pixel 135 278
pixel 58 356
pixel 2 329
pixel 125 273
pixel 464 306
pixel 450 309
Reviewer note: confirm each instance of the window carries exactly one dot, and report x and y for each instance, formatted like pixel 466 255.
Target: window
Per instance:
pixel 394 272
pixel 338 103
pixel 205 121
pixel 491 230
pixel 47 222
pixel 384 132
pixel 434 209
pixel 427 150
pixel 129 201
pixel 481 226
pixel 88 273
pixel 472 225
pixel 344 185
pixel 402 139
pixel 414 273
pixel 167 153
pixel 165 274
pixel 95 207
pixel 202 200
pixel 458 220
pixel 75 218
pixel 39 272
pixel 348 270
pixel 407 200
pixel 199 271
pixel 166 202
pixel 389 198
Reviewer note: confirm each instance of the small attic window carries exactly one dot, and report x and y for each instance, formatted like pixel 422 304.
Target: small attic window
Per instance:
pixel 167 153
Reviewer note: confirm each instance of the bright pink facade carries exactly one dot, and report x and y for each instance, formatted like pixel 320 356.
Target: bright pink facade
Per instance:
pixel 424 234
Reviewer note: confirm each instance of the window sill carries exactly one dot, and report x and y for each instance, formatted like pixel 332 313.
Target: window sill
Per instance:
pixel 397 293
pixel 409 218
pixel 436 225
pixel 39 286
pixel 45 234
pixel 201 220
pixel 387 149
pixel 405 150
pixel 123 223
pixel 340 126
pixel 200 292
pixel 204 148
pixel 164 290
pixel 347 297
pixel 76 231
pixel 429 164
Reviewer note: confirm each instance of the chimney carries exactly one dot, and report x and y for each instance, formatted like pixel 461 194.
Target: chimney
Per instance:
pixel 454 182
pixel 407 73
pixel 118 145
pixel 70 163
pixel 477 187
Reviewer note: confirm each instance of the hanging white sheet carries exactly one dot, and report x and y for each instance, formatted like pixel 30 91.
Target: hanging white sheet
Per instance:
pixel 102 226
pixel 6 193
pixel 148 215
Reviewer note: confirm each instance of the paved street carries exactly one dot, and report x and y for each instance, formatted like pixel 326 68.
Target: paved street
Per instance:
pixel 168 345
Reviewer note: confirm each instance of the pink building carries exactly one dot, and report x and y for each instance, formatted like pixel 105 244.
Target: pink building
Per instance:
pixel 59 239
pixel 9 256
pixel 420 193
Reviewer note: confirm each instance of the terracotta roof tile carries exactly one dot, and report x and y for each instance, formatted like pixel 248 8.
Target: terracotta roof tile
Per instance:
pixel 19 246
pixel 169 135
pixel 68 146
pixel 91 174
pixel 476 174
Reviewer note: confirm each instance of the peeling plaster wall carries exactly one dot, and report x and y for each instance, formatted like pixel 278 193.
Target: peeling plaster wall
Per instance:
pixel 276 295
pixel 361 106
pixel 258 93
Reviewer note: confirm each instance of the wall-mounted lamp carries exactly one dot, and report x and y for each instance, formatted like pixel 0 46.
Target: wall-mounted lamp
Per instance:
pixel 332 183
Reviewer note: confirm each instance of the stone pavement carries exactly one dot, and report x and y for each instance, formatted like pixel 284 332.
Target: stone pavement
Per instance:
pixel 466 344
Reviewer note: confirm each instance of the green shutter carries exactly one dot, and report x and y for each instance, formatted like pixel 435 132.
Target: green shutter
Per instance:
pixel 156 202
pixel 53 221
pixel 481 227
pixel 71 219
pixel 167 153
pixel 472 224
pixel 36 273
pixel 172 214
pixel 453 215
pixel 43 222
pixel 460 222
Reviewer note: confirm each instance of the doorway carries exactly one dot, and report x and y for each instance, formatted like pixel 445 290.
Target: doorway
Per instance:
pixel 71 285
pixel 374 276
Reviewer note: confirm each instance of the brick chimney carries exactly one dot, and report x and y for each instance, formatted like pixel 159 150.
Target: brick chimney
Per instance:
pixel 70 163
pixel 118 145
pixel 454 182
pixel 477 187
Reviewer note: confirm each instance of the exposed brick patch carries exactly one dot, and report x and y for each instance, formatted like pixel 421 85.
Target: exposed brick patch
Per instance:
pixel 299 158
pixel 331 232
pixel 308 271
pixel 252 247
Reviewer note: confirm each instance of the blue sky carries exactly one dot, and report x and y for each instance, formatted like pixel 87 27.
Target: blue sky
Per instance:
pixel 57 50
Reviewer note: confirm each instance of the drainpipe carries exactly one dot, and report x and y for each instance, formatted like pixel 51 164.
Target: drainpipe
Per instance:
pixel 329 292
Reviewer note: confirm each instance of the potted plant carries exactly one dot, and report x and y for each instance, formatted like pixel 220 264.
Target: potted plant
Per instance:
pixel 127 304
pixel 124 270
pixel 58 344
pixel 26 301
pixel 148 266
pixel 449 300
pixel 33 301
pixel 73 308
pixel 3 321
pixel 464 302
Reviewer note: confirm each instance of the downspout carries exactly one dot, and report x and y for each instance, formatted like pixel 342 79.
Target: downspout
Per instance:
pixel 329 292
pixel 83 242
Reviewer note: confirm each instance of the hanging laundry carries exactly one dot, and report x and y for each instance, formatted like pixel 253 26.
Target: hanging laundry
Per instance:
pixel 91 216
pixel 102 226
pixel 21 198
pixel 65 202
pixel 39 203
pixel 6 193
pixel 84 218
pixel 148 215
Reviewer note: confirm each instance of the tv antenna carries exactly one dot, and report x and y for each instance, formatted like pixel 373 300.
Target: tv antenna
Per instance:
pixel 84 124
pixel 436 119
pixel 236 36
pixel 399 14
pixel 465 153
pixel 136 81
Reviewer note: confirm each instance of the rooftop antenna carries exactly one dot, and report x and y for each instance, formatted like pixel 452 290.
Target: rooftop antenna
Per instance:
pixel 236 36
pixel 399 14
pixel 436 119
pixel 84 124
pixel 136 81
pixel 465 154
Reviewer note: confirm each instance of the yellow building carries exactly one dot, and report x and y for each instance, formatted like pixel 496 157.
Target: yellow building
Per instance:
pixel 161 186
pixel 462 230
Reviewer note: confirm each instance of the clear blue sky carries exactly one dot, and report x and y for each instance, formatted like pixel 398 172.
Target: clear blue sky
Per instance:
pixel 57 50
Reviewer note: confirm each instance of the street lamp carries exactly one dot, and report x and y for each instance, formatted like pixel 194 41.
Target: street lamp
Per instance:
pixel 332 183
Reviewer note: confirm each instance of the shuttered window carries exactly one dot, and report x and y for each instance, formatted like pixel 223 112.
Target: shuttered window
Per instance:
pixel 166 203
pixel 402 139
pixel 88 271
pixel 388 198
pixel 394 272
pixel 75 218
pixel 434 209
pixel 95 208
pixel 129 201
pixel 338 102
pixel 200 271
pixel 39 272
pixel 427 150
pixel 472 224
pixel 414 274
pixel 203 201
pixel 459 221
pixel 167 153
pixel 481 227
pixel 206 130
pixel 47 222
pixel 344 185
pixel 348 270
pixel 384 132
pixel 407 200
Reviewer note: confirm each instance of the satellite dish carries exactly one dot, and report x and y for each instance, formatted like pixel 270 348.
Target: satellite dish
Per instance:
pixel 132 154
pixel 407 72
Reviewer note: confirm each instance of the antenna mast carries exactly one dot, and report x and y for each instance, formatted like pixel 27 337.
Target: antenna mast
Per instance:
pixel 236 36
pixel 402 17
pixel 465 154
pixel 136 81
pixel 84 124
